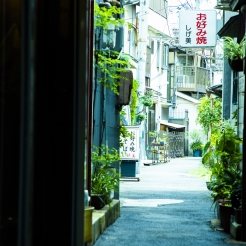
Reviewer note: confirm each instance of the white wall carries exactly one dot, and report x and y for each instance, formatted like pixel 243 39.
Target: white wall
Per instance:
pixel 130 37
pixel 183 104
pixel 159 23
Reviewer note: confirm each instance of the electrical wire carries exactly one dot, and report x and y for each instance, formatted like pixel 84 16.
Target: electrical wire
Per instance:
pixel 159 10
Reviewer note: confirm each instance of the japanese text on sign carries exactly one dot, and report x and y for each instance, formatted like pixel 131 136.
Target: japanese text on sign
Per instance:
pixel 197 28
pixel 130 150
pixel 201 25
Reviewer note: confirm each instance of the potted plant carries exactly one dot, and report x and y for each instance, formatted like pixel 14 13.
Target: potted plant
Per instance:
pixel 221 187
pixel 140 117
pixel 225 215
pixel 153 135
pixel 105 178
pixel 234 52
pixel 226 175
pixel 236 197
pixel 197 148
pixel 236 201
pixel 146 100
pixel 196 143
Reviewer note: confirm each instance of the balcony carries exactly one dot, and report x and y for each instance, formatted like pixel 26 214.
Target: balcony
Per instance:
pixel 193 79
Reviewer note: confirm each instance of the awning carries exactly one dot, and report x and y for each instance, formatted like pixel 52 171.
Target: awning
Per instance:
pixel 236 4
pixel 130 2
pixel 172 125
pixel 230 28
pixel 133 61
pixel 216 90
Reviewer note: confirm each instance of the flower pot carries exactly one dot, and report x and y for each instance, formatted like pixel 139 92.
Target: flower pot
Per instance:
pixel 97 201
pixel 238 215
pixel 225 217
pixel 223 202
pixel 197 153
pixel 88 224
pixel 236 65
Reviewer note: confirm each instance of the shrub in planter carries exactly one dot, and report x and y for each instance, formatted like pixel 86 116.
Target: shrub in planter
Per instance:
pixel 225 172
pixel 225 216
pixel 146 101
pixel 196 142
pixel 105 177
pixel 197 147
pixel 140 117
pixel 234 52
pixel 238 215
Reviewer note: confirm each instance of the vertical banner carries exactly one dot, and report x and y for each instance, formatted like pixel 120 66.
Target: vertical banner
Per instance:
pixel 197 28
pixel 130 149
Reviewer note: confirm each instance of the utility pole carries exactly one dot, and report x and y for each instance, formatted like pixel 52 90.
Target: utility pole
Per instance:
pixel 159 88
pixel 142 46
pixel 197 4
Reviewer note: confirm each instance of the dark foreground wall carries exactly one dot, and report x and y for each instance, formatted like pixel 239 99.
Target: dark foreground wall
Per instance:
pixel 43 81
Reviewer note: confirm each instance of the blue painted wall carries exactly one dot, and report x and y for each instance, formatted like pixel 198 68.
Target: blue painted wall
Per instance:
pixel 106 116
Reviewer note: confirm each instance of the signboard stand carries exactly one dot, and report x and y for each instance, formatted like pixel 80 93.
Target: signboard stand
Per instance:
pixel 128 168
pixel 130 155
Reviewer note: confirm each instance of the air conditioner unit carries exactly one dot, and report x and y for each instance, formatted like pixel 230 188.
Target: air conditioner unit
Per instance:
pixel 182 80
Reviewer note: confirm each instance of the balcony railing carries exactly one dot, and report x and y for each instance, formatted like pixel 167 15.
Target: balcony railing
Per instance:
pixel 190 78
pixel 176 113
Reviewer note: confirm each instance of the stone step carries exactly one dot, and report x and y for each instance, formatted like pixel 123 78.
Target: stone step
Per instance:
pixel 103 218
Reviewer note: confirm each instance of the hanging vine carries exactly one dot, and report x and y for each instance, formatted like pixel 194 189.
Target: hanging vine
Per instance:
pixel 109 64
pixel 107 16
pixel 112 64
pixel 134 100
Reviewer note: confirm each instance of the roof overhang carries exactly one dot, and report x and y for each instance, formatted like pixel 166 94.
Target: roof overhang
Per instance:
pixel 171 125
pixel 236 4
pixel 216 90
pixel 132 61
pixel 188 98
pixel 130 2
pixel 230 28
pixel 223 5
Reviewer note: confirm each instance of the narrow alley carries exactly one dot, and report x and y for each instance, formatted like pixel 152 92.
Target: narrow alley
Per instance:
pixel 168 206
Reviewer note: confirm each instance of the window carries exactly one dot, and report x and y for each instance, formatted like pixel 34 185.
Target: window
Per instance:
pixel 147 81
pixel 158 54
pixel 152 47
pixel 165 49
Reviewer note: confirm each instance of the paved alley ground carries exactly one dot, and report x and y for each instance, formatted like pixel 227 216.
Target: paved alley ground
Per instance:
pixel 168 206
